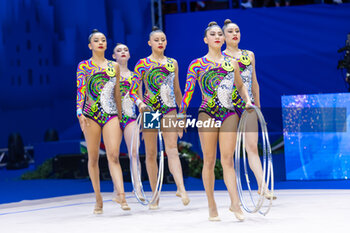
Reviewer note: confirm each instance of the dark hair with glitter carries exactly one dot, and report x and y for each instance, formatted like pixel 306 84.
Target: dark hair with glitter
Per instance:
pixel 154 30
pixel 210 25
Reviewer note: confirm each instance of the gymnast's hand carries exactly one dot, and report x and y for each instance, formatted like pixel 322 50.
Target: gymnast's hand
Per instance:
pixel 181 124
pixel 144 108
pixel 83 121
pixel 249 107
pixel 180 131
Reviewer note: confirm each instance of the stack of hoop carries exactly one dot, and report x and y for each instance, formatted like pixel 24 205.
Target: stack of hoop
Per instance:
pixel 252 205
pixel 137 180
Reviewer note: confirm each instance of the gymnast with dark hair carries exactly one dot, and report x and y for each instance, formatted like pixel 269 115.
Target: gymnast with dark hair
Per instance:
pixel 127 123
pixel 159 75
pixel 246 63
pixel 218 76
pixel 98 105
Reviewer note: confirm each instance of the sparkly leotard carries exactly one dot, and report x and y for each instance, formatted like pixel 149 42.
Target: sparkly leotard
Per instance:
pixel 95 92
pixel 128 106
pixel 159 84
pixel 216 81
pixel 246 70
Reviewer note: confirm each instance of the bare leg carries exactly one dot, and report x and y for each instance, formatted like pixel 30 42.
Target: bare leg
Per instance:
pixel 170 141
pixel 112 136
pixel 128 133
pixel 150 137
pixel 227 143
pixel 92 136
pixel 209 140
pixel 251 138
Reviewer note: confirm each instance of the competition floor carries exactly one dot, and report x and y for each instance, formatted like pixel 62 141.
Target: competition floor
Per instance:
pixel 293 211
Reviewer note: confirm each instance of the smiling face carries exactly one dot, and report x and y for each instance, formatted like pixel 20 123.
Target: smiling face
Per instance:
pixel 232 34
pixel 121 53
pixel 98 42
pixel 158 42
pixel 214 37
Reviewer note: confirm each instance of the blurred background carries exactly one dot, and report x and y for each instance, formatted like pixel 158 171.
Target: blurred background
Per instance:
pixel 298 63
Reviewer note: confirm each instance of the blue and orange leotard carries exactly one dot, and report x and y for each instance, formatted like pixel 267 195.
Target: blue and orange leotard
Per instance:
pixel 128 106
pixel 246 71
pixel 159 84
pixel 95 91
pixel 216 81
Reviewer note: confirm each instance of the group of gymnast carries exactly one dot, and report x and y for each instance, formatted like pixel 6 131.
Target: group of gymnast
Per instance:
pixel 108 94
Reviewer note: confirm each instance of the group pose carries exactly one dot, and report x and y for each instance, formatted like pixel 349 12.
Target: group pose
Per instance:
pixel 108 94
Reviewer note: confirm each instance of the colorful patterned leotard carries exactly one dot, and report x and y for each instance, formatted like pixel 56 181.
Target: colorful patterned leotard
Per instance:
pixel 95 93
pixel 246 70
pixel 216 81
pixel 128 106
pixel 159 84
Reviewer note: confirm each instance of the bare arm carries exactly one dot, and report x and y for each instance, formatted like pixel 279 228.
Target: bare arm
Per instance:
pixel 117 96
pixel 177 90
pixel 255 84
pixel 239 84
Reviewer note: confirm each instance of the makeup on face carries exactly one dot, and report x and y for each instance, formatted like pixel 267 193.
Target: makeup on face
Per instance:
pixel 232 33
pixel 158 41
pixel 98 41
pixel 215 36
pixel 121 52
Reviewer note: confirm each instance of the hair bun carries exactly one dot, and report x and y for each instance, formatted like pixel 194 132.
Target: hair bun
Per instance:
pixel 92 33
pixel 155 28
pixel 227 21
pixel 212 23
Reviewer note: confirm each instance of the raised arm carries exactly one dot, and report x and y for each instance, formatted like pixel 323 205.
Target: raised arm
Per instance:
pixel 81 88
pixel 189 88
pixel 255 84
